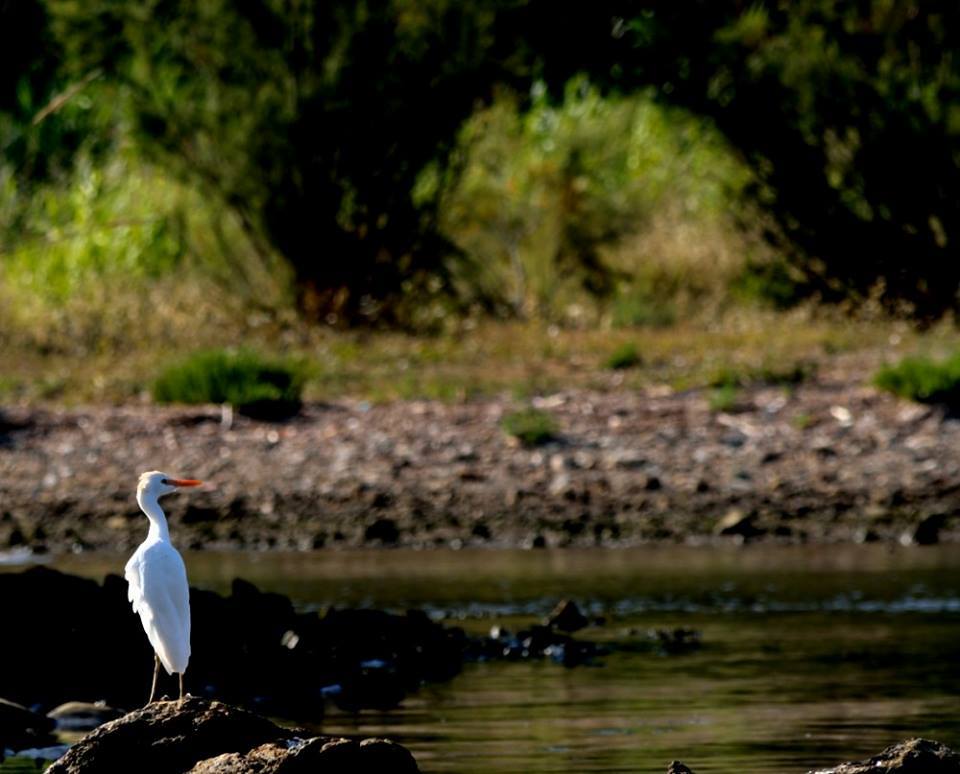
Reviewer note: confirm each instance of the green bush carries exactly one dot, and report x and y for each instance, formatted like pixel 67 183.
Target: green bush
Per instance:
pixel 724 398
pixel 786 375
pixel 261 388
pixel 624 356
pixel 530 426
pixel 923 379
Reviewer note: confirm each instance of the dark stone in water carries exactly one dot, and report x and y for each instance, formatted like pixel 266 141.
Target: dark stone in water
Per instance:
pixel 567 617
pixel 914 756
pixel 207 737
pixel 537 642
pixel 250 648
pixel 82 715
pixel 21 728
pixel 677 640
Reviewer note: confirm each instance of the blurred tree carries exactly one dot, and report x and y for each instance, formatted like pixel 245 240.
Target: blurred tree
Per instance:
pixel 311 120
pixel 32 89
pixel 314 120
pixel 850 114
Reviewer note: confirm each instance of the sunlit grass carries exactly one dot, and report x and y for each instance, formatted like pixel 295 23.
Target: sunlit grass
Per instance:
pixel 518 359
pixel 923 379
pixel 253 384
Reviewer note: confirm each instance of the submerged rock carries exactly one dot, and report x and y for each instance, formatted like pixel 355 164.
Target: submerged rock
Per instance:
pixel 567 617
pixel 914 756
pixel 250 648
pixel 21 728
pixel 82 715
pixel 206 737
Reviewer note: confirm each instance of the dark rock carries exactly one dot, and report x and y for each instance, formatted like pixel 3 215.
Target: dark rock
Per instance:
pixel 736 523
pixel 250 648
pixel 677 640
pixel 567 617
pixel 915 756
pixel 481 531
pixel 382 530
pixel 206 737
pixel 537 642
pixel 676 767
pixel 927 532
pixel 162 728
pixel 330 756
pixel 21 728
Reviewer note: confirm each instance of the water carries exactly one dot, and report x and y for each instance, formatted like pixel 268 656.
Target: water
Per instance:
pixel 811 655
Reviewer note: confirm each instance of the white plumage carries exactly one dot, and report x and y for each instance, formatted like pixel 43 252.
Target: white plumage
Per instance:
pixel 157 578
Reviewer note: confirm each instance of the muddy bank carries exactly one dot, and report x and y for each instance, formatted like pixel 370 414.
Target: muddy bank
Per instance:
pixel 829 461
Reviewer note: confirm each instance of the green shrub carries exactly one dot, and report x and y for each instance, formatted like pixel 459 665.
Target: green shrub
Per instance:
pixel 624 356
pixel 724 398
pixel 257 387
pixel 787 375
pixel 530 426
pixel 923 379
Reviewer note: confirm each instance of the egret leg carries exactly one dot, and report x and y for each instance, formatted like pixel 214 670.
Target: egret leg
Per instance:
pixel 156 674
pixel 181 685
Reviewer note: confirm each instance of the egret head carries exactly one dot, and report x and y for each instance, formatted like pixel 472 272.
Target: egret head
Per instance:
pixel 157 484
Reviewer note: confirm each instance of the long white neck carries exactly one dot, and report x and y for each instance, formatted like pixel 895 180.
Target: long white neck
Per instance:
pixel 158 522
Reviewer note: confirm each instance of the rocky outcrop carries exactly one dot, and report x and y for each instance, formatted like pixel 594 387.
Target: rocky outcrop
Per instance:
pixel 204 737
pixel 914 756
pixel 249 648
pixel 21 728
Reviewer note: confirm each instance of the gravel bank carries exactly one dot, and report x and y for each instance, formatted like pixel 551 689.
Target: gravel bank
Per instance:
pixel 829 461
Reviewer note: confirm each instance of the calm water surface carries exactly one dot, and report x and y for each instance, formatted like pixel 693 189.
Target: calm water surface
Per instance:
pixel 811 655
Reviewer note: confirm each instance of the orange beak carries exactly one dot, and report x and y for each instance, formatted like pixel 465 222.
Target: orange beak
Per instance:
pixel 184 482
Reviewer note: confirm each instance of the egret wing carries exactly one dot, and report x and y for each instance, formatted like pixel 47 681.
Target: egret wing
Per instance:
pixel 160 594
pixel 133 573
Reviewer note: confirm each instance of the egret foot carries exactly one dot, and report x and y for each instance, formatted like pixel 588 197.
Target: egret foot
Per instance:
pixel 156 673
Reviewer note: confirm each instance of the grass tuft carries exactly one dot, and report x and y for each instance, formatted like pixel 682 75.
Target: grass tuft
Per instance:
pixel 530 426
pixel 723 399
pixel 624 356
pixel 923 379
pixel 789 375
pixel 257 387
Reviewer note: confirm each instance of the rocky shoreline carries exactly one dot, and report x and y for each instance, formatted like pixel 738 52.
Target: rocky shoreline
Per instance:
pixel 198 736
pixel 250 648
pixel 208 737
pixel 824 462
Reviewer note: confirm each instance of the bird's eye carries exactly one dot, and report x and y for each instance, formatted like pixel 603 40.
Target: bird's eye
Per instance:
pixel 165 481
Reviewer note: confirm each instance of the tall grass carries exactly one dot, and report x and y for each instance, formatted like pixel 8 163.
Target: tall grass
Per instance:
pixel 118 253
pixel 256 386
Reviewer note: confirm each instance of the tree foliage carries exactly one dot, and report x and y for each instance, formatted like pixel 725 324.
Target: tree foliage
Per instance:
pixel 849 113
pixel 314 121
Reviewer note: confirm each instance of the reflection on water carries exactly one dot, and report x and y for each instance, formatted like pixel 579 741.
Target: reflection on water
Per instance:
pixel 810 656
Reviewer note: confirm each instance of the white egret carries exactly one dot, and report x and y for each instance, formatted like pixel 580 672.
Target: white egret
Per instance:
pixel 157 581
